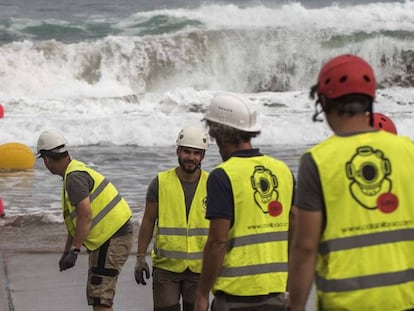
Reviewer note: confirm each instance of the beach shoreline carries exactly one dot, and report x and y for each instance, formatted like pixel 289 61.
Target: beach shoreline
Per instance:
pixel 29 273
pixel 30 279
pixel 17 237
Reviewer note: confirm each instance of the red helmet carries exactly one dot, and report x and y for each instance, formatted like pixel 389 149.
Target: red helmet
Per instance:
pixel 344 75
pixel 382 122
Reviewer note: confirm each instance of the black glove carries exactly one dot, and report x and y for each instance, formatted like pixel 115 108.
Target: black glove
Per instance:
pixel 61 260
pixel 140 267
pixel 68 260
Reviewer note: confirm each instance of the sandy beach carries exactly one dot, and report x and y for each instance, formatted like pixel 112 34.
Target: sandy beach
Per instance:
pixel 31 281
pixel 30 278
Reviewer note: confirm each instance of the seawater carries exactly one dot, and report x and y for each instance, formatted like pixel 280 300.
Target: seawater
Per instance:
pixel 36 194
pixel 120 79
pixel 136 72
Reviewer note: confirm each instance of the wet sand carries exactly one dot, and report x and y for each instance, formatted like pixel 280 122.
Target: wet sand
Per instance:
pixel 30 278
pixel 31 281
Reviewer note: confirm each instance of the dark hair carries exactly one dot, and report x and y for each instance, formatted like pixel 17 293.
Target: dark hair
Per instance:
pixel 228 134
pixel 53 155
pixel 349 104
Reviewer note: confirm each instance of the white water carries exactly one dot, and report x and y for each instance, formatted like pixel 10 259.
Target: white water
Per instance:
pixel 136 92
pixel 131 89
pixel 157 119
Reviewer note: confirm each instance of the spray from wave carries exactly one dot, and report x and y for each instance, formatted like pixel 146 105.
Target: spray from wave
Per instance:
pixel 123 76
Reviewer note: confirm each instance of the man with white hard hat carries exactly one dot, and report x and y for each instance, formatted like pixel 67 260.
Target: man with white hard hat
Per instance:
pixel 249 197
pixel 95 215
pixel 175 206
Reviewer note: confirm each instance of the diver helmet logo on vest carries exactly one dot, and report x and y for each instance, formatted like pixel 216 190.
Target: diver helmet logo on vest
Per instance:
pixel 204 203
pixel 264 184
pixel 369 170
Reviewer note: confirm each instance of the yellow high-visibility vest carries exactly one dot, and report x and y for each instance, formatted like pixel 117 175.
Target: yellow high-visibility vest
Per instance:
pixel 109 210
pixel 256 260
pixel 179 243
pixel 366 253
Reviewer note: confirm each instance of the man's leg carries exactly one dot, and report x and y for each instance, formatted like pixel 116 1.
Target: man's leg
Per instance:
pixel 105 264
pixel 165 290
pixel 189 288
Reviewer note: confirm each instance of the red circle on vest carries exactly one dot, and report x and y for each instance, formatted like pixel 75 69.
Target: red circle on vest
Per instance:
pixel 275 208
pixel 387 202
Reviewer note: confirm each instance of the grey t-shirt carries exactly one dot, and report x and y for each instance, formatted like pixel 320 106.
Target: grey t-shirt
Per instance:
pixel 78 186
pixel 308 195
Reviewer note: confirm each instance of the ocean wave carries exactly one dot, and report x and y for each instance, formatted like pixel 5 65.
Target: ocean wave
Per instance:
pixel 162 24
pixel 89 30
pixel 236 60
pixel 342 19
pixel 37 219
pixel 243 49
pixel 139 84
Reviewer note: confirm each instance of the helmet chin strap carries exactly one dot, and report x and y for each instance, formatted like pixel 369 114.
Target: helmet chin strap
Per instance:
pixel 371 115
pixel 317 112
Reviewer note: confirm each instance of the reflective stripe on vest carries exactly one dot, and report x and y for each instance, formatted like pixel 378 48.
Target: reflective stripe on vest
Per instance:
pixel 104 211
pixel 365 259
pixel 183 231
pixel 366 282
pixel 257 246
pixel 180 232
pixel 109 210
pixel 366 240
pixel 254 269
pixel 179 243
pixel 260 268
pixel 178 255
pixel 257 238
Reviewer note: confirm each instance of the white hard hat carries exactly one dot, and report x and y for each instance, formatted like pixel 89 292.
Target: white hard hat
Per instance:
pixel 51 140
pixel 235 111
pixel 193 137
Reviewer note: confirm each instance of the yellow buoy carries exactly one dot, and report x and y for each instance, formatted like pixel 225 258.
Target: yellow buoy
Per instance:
pixel 16 156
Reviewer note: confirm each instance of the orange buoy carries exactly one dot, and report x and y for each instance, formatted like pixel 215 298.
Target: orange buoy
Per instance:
pixel 1 111
pixel 1 208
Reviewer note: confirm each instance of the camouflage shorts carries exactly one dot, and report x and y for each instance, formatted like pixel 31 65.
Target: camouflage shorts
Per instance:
pixel 105 264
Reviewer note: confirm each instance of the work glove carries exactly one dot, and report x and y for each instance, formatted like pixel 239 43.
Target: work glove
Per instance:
pixel 68 260
pixel 61 259
pixel 140 267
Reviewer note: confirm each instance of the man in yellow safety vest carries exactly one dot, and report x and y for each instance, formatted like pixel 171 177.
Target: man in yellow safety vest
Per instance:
pixel 95 215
